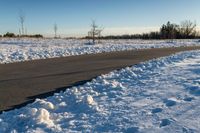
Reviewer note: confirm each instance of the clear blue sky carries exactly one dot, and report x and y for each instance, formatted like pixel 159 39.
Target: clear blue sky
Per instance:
pixel 73 17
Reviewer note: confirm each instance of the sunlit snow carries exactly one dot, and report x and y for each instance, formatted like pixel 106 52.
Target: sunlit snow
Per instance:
pixel 16 50
pixel 160 95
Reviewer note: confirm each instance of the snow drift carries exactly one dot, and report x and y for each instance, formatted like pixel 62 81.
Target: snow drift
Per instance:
pixel 160 95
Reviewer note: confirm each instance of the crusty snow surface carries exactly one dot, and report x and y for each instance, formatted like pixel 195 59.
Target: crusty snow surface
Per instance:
pixel 160 95
pixel 16 50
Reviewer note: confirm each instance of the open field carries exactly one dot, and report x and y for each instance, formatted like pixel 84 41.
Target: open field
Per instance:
pixel 114 86
pixel 17 50
pixel 99 66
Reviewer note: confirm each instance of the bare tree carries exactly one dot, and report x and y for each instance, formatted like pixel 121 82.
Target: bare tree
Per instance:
pixel 22 20
pixel 99 34
pixel 95 31
pixel 55 30
pixel 25 31
pixel 188 29
pixel 19 31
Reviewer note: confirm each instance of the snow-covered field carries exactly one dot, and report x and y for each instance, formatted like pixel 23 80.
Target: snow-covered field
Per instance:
pixel 16 50
pixel 160 95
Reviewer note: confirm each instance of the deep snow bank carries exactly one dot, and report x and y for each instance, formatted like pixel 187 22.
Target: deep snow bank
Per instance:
pixel 161 95
pixel 15 50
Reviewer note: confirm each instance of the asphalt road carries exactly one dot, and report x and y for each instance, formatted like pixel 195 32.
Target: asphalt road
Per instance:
pixel 21 83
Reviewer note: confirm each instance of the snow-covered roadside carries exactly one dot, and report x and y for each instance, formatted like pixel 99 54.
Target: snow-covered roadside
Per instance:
pixel 160 95
pixel 16 50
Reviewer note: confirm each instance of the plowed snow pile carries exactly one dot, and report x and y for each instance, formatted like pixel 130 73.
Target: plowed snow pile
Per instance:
pixel 161 95
pixel 16 50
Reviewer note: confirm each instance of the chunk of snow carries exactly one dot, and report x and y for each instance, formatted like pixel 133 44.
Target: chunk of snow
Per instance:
pixel 62 104
pixel 44 104
pixel 90 100
pixel 43 116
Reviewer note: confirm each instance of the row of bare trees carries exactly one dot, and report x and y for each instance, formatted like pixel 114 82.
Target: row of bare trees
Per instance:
pixel 185 30
pixel 23 30
pixel 94 33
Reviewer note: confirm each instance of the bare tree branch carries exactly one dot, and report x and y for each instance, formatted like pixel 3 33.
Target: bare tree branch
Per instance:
pixel 188 28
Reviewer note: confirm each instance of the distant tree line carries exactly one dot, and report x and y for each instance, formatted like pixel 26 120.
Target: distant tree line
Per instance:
pixel 12 35
pixel 186 30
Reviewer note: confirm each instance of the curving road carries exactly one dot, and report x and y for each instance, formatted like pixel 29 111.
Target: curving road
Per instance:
pixel 21 83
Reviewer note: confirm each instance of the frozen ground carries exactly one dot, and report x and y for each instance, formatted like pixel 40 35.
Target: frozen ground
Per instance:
pixel 16 50
pixel 161 95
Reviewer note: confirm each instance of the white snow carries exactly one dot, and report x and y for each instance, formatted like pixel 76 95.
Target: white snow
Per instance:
pixel 16 50
pixel 160 95
pixel 90 100
pixel 44 104
pixel 42 116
